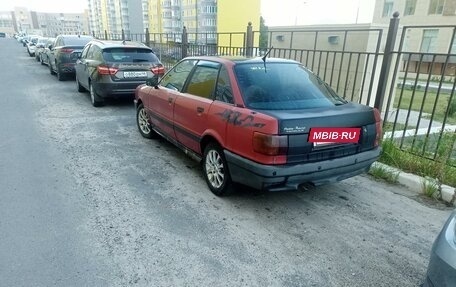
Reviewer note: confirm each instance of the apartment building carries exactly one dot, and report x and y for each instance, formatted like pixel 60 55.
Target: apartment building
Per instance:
pixel 204 20
pixel 426 40
pixel 49 24
pixel 171 16
pixel 24 21
pixel 7 22
pixel 113 16
pixel 53 24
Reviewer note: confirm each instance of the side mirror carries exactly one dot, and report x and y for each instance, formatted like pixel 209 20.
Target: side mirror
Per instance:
pixel 152 82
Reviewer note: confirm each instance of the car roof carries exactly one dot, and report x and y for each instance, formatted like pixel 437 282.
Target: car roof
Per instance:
pixel 241 59
pixel 105 44
pixel 76 36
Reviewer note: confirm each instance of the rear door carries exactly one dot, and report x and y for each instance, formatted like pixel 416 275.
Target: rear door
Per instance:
pixel 160 102
pixel 81 68
pixel 191 108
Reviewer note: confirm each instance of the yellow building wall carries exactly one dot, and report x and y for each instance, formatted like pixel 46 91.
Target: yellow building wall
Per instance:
pixel 232 18
pixel 104 16
pixel 155 16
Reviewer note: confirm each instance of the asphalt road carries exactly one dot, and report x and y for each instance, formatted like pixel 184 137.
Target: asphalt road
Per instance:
pixel 86 201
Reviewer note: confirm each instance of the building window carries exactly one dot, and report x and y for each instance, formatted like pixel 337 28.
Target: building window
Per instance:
pixel 409 7
pixel 429 40
pixel 387 8
pixel 436 6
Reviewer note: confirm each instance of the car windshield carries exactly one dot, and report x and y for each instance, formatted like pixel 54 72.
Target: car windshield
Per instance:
pixel 283 86
pixel 129 55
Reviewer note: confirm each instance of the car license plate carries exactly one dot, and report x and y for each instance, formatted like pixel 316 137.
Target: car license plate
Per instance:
pixel 135 74
pixel 325 136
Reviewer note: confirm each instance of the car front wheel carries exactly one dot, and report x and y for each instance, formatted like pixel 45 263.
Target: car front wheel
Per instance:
pixel 50 69
pixel 79 86
pixel 216 171
pixel 143 123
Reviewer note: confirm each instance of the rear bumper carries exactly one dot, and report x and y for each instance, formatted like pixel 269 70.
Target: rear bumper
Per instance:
pixel 66 68
pixel 117 90
pixel 289 177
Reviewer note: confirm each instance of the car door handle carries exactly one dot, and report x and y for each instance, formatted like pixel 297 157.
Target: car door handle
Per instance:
pixel 200 109
pixel 170 100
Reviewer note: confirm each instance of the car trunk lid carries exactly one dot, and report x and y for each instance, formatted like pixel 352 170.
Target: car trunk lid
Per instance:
pixel 297 125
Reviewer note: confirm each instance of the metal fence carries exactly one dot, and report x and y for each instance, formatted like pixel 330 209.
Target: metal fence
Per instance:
pixel 411 84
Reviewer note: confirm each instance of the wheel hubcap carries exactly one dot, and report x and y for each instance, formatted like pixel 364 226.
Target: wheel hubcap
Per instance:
pixel 214 169
pixel 143 122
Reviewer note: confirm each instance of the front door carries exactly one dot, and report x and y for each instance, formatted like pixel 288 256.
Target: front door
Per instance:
pixel 192 107
pixel 160 102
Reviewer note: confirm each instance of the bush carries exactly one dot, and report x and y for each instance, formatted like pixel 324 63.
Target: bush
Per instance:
pixel 452 107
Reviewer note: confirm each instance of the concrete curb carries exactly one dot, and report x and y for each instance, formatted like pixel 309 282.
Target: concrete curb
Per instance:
pixel 415 182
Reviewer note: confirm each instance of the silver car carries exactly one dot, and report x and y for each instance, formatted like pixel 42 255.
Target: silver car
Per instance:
pixel 442 265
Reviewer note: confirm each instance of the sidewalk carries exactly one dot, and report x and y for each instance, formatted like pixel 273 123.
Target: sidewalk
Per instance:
pixel 415 183
pixel 424 124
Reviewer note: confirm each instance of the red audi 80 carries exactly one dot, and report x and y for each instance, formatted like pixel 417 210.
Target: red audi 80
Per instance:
pixel 267 123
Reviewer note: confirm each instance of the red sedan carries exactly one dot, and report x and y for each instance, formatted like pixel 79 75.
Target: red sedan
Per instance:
pixel 270 124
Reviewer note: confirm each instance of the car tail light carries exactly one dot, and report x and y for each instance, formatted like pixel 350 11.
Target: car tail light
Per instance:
pixel 159 70
pixel 270 144
pixel 103 70
pixel 378 127
pixel 67 51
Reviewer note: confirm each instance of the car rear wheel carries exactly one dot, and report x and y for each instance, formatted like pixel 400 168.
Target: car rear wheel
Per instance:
pixel 144 126
pixel 60 75
pixel 215 170
pixel 94 98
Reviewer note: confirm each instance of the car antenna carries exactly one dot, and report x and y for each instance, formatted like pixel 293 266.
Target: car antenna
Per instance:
pixel 265 56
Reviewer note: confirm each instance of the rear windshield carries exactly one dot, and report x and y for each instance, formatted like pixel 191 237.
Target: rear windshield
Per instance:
pixel 124 55
pixel 283 86
pixel 76 41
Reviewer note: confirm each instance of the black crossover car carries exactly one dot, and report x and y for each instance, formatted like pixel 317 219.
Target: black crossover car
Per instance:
pixel 64 52
pixel 115 69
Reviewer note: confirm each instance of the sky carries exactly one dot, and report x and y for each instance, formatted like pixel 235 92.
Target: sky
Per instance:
pixel 275 12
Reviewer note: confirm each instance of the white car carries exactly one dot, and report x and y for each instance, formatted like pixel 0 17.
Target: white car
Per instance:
pixel 31 45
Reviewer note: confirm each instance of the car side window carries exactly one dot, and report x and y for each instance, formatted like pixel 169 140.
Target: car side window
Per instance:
pixel 176 77
pixel 223 91
pixel 90 52
pixel 202 82
pixel 84 52
pixel 97 53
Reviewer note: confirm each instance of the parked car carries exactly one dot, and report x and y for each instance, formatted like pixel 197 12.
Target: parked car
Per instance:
pixel 31 45
pixel 40 45
pixel 63 54
pixel 2 35
pixel 270 124
pixel 115 69
pixel 24 40
pixel 442 264
pixel 44 56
